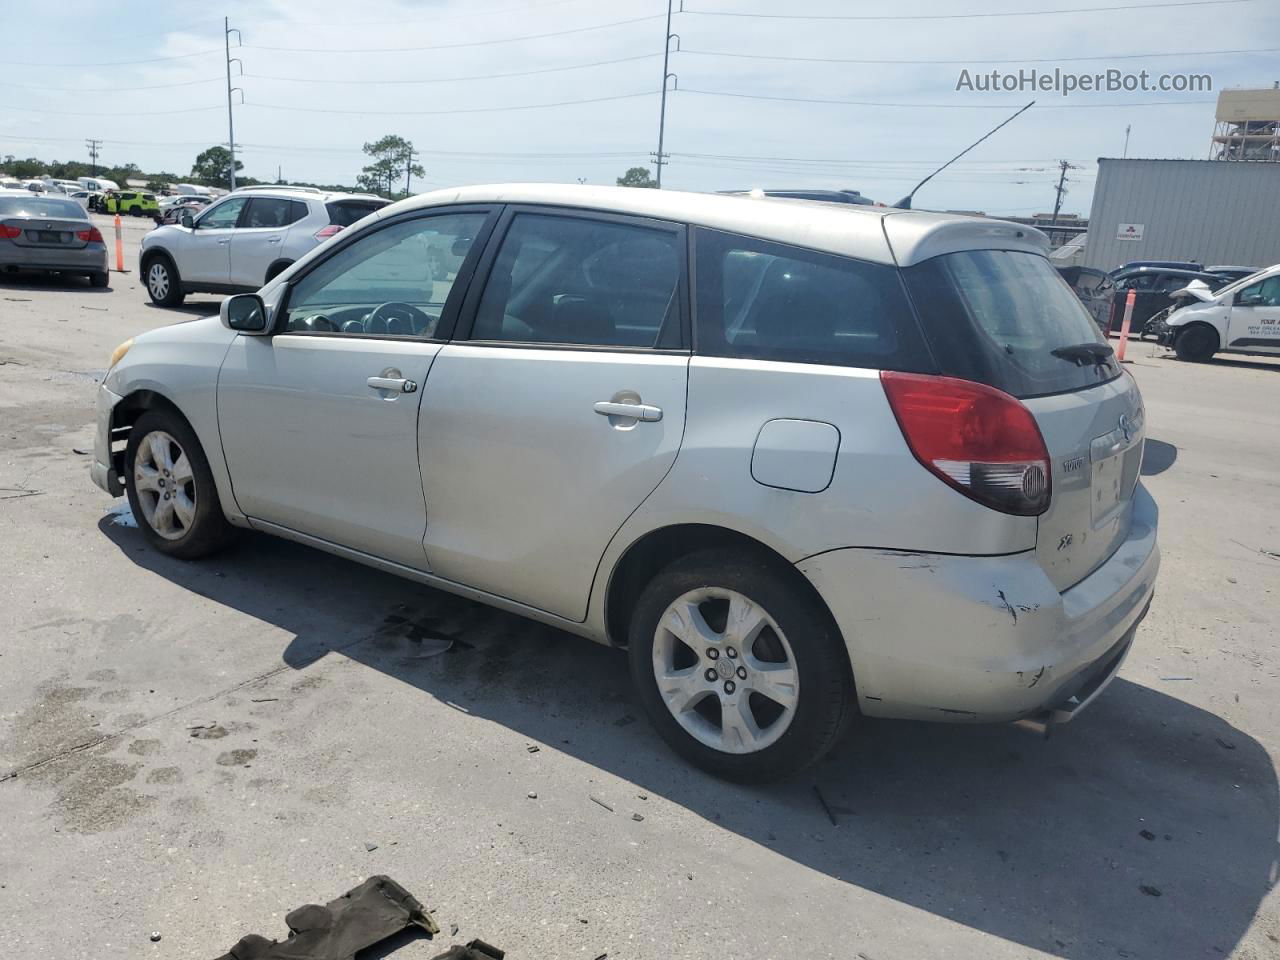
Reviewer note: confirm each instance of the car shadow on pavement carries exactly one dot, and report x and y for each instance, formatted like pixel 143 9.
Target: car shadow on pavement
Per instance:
pixel 1157 457
pixel 1145 828
pixel 18 282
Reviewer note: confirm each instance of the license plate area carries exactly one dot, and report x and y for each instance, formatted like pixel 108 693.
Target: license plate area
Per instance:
pixel 47 236
pixel 1108 488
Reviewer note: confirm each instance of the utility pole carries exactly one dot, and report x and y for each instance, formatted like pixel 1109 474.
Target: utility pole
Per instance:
pixel 660 158
pixel 227 30
pixel 94 146
pixel 410 158
pixel 1127 128
pixel 1061 189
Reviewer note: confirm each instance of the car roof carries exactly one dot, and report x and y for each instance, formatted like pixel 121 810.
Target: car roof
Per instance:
pixel 1172 271
pixel 879 234
pixel 289 192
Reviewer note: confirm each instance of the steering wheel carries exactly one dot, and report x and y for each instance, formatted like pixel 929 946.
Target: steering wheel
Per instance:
pixel 395 316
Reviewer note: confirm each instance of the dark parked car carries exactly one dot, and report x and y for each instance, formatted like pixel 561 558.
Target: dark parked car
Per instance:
pixel 825 196
pixel 50 235
pixel 1170 264
pixel 1094 288
pixel 1153 286
pixel 1234 273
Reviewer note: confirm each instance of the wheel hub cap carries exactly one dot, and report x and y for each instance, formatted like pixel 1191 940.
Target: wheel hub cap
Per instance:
pixel 165 485
pixel 725 670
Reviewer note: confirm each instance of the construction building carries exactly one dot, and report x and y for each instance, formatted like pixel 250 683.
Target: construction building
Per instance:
pixel 1248 125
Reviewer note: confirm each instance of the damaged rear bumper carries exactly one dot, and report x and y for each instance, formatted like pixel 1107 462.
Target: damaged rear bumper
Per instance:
pixel 935 637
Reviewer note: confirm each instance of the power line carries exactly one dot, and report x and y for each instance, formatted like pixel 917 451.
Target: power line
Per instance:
pixel 963 16
pixel 434 113
pixel 474 76
pixel 105 113
pixel 968 60
pixel 523 8
pixel 468 43
pixel 154 86
pixel 939 106
pixel 108 63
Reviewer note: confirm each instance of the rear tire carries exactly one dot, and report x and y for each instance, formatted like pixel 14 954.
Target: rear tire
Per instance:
pixel 98 280
pixel 164 286
pixel 758 630
pixel 1196 343
pixel 171 489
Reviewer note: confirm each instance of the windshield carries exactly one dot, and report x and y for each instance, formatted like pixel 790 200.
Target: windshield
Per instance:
pixel 39 207
pixel 1009 320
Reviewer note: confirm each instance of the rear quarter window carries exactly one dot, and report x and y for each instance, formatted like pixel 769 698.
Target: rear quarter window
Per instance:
pixel 998 316
pixel 762 300
pixel 344 213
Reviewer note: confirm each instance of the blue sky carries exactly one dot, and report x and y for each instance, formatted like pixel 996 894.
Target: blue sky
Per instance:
pixel 322 77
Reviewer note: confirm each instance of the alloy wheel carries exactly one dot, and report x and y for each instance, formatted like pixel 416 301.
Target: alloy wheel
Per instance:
pixel 725 670
pixel 165 485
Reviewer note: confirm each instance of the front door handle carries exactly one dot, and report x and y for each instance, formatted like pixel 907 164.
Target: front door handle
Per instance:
pixel 632 411
pixel 273 239
pixel 392 384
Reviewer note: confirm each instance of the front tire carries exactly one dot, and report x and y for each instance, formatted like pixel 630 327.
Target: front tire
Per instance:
pixel 740 669
pixel 1196 343
pixel 164 286
pixel 171 489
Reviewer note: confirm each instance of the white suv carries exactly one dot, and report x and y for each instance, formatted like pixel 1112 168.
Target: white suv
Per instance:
pixel 805 461
pixel 243 240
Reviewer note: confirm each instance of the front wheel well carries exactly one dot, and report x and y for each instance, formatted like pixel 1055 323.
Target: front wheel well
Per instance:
pixel 656 549
pixel 126 413
pixel 149 255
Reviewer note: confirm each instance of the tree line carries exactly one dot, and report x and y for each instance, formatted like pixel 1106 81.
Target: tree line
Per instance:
pixel 390 172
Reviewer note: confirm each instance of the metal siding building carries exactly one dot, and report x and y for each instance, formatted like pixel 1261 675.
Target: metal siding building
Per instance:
pixel 1211 211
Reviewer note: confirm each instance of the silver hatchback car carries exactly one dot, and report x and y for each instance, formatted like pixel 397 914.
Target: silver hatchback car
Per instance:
pixel 806 462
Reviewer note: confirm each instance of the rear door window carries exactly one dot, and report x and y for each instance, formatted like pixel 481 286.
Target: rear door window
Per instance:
pixel 571 280
pixel 770 301
pixel 1007 319
pixel 273 212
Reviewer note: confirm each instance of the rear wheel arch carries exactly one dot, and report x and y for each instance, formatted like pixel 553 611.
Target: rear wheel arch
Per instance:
pixel 656 549
pixel 277 268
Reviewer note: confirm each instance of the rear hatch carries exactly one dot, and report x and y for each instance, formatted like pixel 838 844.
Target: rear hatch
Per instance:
pixel 1007 319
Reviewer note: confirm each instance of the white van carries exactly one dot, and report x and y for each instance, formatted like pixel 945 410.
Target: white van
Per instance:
pixel 1242 317
pixel 98 184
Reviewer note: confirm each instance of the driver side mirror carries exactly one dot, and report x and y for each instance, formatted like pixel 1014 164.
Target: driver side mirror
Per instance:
pixel 244 313
pixel 186 219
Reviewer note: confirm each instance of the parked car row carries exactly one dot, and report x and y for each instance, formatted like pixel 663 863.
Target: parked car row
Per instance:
pixel 839 395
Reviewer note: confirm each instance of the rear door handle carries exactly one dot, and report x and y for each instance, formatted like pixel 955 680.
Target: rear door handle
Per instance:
pixel 633 411
pixel 392 384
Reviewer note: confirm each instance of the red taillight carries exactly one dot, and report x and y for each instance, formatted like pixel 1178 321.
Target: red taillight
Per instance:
pixel 92 235
pixel 324 233
pixel 8 232
pixel 978 439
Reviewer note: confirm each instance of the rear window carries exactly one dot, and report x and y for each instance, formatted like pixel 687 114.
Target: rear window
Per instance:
pixel 344 213
pixel 1007 319
pixel 40 207
pixel 769 301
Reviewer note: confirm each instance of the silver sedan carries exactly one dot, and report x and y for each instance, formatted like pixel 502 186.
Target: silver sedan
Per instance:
pixel 50 235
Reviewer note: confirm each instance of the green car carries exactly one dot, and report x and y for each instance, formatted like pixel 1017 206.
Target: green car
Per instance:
pixel 132 202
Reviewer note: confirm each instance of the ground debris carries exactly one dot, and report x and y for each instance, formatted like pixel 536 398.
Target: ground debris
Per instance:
pixel 637 817
pixel 370 847
pixel 533 748
pixel 155 936
pixel 624 720
pixel 1149 890
pixel 366 915
pixel 1224 744
pixel 1146 835
pixel 600 802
